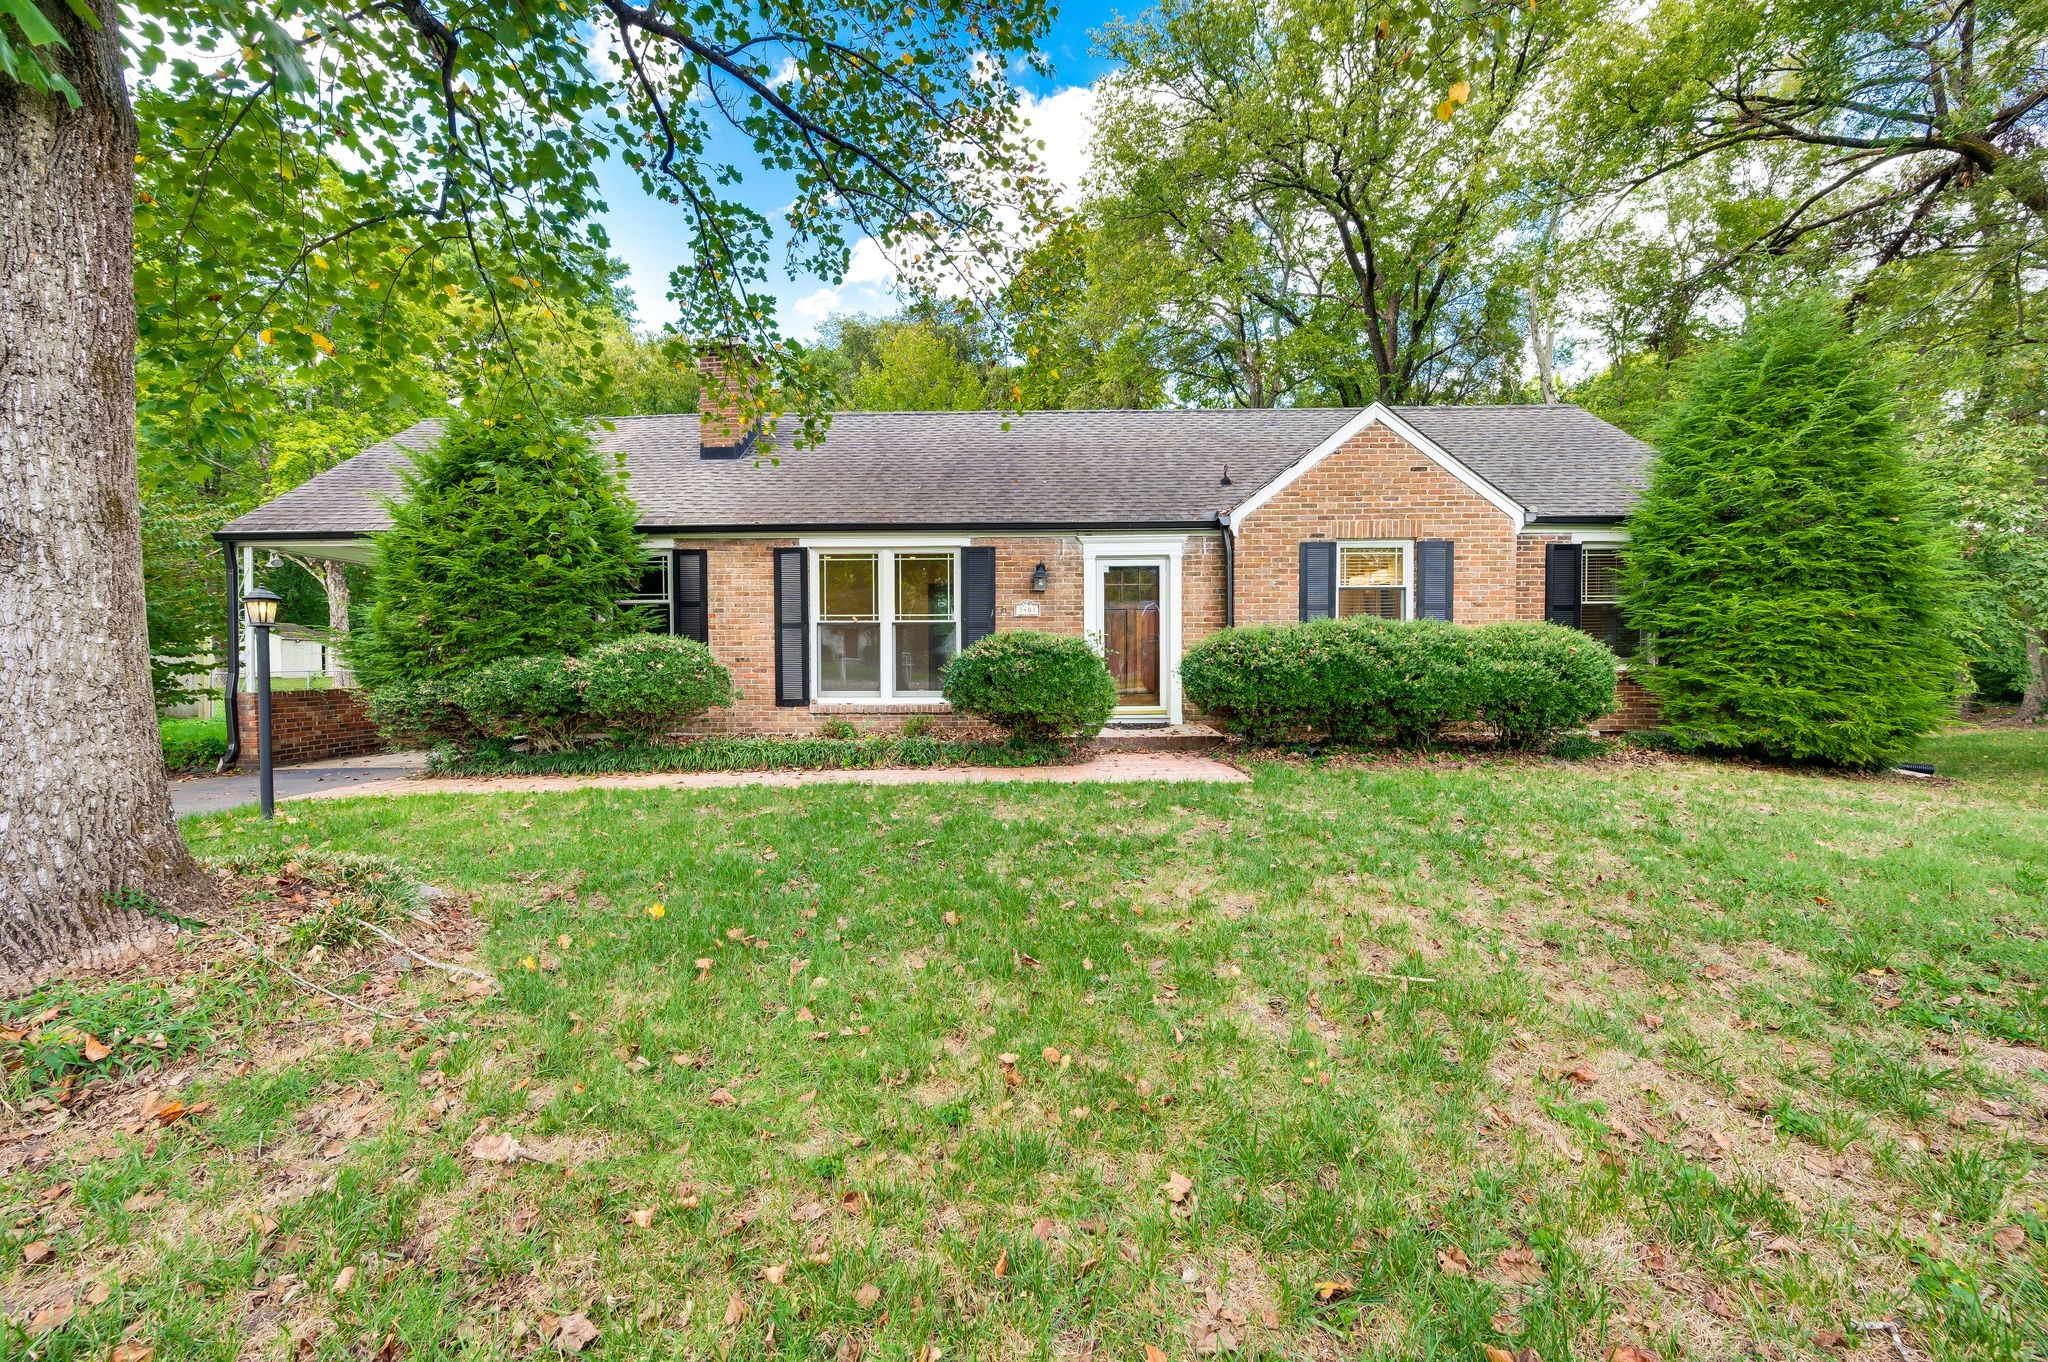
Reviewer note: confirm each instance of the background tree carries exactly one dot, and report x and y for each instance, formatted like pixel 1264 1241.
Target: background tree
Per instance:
pixel 1345 173
pixel 1992 481
pixel 422 147
pixel 1785 560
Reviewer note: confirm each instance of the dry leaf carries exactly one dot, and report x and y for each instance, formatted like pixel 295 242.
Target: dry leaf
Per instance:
pixel 1629 1352
pixel 344 1279
pixel 95 1049
pixel 774 1273
pixel 1519 1265
pixel 1178 1188
pixel 99 1293
pixel 38 1252
pixel 133 1352
pixel 805 1212
pixel 1453 1261
pixel 1332 1290
pixel 572 1333
pixel 735 1310
pixel 720 1098
pixel 2010 1239
pixel 50 1317
pixel 1718 1305
pixel 643 1218
pixel 1153 1353
pixel 495 1147
pixel 1002 1262
pixel 867 1295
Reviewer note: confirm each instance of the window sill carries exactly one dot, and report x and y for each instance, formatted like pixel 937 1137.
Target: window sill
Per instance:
pixel 826 704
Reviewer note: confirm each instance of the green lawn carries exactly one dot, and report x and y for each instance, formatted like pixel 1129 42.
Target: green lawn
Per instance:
pixel 1384 1060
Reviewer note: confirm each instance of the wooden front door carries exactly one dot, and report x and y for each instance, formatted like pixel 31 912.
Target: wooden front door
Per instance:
pixel 1130 632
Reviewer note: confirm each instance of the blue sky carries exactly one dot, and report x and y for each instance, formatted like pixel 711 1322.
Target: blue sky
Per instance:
pixel 648 234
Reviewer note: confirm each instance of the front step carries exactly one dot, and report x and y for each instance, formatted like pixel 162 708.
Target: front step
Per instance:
pixel 1159 737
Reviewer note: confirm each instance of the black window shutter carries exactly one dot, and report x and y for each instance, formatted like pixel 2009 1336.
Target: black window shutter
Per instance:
pixel 1434 576
pixel 977 595
pixel 1561 584
pixel 1318 580
pixel 792 643
pixel 689 607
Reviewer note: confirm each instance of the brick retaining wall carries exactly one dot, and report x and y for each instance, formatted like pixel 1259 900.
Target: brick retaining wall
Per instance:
pixel 1635 709
pixel 309 725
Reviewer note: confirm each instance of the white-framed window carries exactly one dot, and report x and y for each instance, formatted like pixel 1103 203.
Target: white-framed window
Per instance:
pixel 888 622
pixel 655 591
pixel 1376 577
pixel 1600 598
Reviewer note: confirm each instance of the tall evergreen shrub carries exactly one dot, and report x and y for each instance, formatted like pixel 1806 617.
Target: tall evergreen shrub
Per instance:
pixel 1784 559
pixel 514 538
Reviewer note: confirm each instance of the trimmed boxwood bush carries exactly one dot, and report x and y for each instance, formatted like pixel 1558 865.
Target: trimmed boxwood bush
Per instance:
pixel 1040 687
pixel 638 688
pixel 1363 681
pixel 1270 683
pixel 1530 682
pixel 645 686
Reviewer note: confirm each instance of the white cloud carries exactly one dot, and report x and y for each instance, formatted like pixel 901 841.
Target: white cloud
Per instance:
pixel 1065 122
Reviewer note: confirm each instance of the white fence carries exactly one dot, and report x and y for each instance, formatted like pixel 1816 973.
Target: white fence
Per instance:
pixel 299 660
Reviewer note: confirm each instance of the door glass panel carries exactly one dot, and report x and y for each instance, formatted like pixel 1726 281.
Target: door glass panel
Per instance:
pixel 849 625
pixel 1130 632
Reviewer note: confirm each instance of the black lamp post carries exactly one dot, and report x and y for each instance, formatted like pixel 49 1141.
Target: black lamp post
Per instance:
pixel 259 607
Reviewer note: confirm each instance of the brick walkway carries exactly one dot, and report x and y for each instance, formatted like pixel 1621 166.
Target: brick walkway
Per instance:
pixel 1114 769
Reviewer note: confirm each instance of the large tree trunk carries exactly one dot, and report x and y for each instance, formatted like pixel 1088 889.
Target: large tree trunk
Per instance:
pixel 2035 700
pixel 85 815
pixel 334 576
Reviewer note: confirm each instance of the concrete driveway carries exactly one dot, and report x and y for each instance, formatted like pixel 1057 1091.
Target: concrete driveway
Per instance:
pixel 213 794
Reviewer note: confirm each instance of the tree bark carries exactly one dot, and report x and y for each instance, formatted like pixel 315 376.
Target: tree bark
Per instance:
pixel 85 815
pixel 334 576
pixel 2035 700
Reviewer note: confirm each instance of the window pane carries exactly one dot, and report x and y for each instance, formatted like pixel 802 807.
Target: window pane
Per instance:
pixel 1370 567
pixel 850 659
pixel 1600 576
pixel 1382 601
pixel 1604 622
pixel 924 586
pixel 846 587
pixel 922 652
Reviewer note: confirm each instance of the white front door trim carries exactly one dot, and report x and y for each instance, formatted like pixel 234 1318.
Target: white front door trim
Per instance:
pixel 1102 551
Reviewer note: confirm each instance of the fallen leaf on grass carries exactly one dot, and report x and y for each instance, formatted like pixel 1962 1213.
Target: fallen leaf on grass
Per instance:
pixel 99 1293
pixel 1783 1245
pixel 1178 1188
pixel 497 1147
pixel 720 1097
pixel 774 1273
pixel 38 1252
pixel 344 1279
pixel 1332 1290
pixel 95 1049
pixel 643 1218
pixel 570 1333
pixel 1718 1305
pixel 1629 1352
pixel 735 1311
pixel 688 1197
pixel 867 1295
pixel 1154 1353
pixel 1494 1354
pixel 1002 1262
pixel 133 1352
pixel 1519 1265
pixel 1453 1261
pixel 805 1212
pixel 2009 1240
pixel 50 1317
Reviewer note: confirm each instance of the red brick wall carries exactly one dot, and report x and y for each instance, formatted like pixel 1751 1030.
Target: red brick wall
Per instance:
pixel 742 624
pixel 1635 708
pixel 309 725
pixel 1378 486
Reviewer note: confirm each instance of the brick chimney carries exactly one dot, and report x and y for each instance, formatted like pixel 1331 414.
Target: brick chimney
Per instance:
pixel 729 400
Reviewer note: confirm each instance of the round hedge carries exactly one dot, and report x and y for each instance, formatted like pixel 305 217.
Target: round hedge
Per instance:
pixel 648 684
pixel 1040 687
pixel 1534 680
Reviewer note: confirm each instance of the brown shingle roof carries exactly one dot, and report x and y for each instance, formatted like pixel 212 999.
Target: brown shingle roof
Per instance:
pixel 996 469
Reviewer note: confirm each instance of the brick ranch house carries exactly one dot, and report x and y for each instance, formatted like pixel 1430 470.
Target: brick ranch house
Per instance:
pixel 837 581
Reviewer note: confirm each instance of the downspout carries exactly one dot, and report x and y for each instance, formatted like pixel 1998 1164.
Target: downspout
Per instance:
pixel 233 637
pixel 1229 570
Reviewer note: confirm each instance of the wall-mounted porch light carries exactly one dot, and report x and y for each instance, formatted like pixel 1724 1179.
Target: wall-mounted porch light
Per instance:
pixel 1038 578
